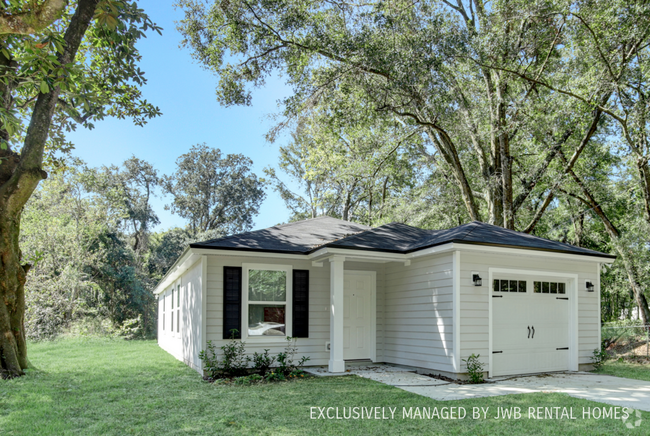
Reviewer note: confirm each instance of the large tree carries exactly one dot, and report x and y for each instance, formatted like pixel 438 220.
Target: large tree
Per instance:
pixel 603 49
pixel 60 64
pixel 349 160
pixel 422 62
pixel 130 189
pixel 218 195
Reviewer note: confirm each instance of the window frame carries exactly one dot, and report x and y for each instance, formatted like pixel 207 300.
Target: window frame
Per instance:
pixel 171 311
pixel 178 308
pixel 288 314
pixel 162 299
pixel 530 285
pixel 174 312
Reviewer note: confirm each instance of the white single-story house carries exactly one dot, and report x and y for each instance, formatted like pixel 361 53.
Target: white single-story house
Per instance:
pixel 395 294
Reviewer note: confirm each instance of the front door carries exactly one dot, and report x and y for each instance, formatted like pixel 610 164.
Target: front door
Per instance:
pixel 357 296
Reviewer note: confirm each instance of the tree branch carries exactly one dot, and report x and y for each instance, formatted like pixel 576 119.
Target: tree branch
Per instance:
pixel 16 191
pixel 32 21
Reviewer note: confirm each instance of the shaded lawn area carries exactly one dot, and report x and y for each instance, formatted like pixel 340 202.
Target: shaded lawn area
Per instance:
pixel 637 371
pixel 115 387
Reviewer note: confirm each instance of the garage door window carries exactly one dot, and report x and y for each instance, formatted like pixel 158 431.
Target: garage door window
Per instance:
pixel 509 285
pixel 549 288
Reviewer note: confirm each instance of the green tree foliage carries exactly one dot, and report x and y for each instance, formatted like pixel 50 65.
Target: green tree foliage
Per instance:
pixel 164 248
pixel 523 104
pixel 217 195
pixel 82 265
pixel 61 64
pixel 420 62
pixel 129 189
pixel 349 168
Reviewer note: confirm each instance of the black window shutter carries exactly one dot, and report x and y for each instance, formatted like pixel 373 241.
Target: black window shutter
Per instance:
pixel 231 301
pixel 300 303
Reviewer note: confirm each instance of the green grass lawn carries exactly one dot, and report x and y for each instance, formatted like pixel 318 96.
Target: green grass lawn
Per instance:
pixel 638 371
pixel 114 387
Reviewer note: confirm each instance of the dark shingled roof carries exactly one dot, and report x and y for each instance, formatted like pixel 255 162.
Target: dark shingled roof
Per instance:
pixel 300 237
pixel 401 238
pixel 304 237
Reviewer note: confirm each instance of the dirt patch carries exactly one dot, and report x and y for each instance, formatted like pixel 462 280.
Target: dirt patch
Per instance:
pixel 447 379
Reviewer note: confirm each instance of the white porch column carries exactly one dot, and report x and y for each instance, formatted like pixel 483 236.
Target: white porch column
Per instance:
pixel 336 363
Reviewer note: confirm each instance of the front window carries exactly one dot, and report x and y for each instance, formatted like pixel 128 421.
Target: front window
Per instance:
pixel 267 302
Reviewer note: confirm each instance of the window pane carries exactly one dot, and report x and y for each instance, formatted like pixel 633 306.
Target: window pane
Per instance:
pixel 560 288
pixel 495 285
pixel 172 329
pixel 537 287
pixel 522 286
pixel 266 320
pixel 264 285
pixel 513 285
pixel 504 285
pixel 178 296
pixel 545 287
pixel 178 321
pixel 172 298
pixel 553 288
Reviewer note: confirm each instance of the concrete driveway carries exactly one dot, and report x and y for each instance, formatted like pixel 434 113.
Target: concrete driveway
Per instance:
pixel 596 387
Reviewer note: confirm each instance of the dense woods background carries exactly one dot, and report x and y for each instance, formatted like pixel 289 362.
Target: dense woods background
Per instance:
pixel 532 115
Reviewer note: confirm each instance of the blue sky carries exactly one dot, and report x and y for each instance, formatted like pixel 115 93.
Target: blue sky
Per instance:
pixel 185 93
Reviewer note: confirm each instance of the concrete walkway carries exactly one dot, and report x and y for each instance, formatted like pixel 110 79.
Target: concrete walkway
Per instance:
pixel 596 387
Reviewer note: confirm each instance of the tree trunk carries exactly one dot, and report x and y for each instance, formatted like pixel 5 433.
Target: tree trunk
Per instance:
pixel 614 234
pixel 644 174
pixel 13 349
pixel 19 177
pixel 506 163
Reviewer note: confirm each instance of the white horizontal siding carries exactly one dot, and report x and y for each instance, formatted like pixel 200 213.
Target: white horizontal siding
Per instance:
pixel 319 298
pixel 186 344
pixel 418 313
pixel 474 316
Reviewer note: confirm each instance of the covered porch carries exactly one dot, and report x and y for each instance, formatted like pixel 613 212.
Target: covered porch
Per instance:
pixel 356 288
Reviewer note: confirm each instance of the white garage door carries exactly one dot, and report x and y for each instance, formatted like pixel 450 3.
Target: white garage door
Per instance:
pixel 530 326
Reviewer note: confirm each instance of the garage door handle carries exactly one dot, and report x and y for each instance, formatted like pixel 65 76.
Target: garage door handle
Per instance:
pixel 533 333
pixel 528 332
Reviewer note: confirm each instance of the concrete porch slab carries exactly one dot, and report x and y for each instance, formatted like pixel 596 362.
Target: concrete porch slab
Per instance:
pixel 391 375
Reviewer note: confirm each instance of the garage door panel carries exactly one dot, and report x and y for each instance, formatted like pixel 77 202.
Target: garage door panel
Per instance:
pixel 527 330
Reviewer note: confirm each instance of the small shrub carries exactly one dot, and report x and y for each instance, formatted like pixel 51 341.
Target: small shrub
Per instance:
pixel 297 373
pixel 234 362
pixel 285 359
pixel 262 362
pixel 132 329
pixel 275 375
pixel 210 361
pixel 474 368
pixel 248 379
pixel 599 357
